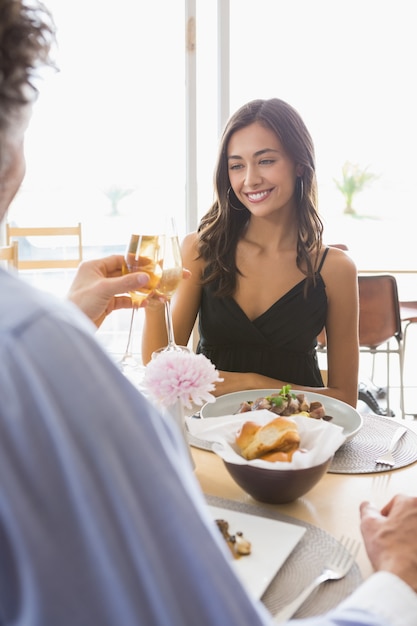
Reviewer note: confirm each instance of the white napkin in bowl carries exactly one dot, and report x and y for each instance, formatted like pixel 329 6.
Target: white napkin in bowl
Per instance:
pixel 318 437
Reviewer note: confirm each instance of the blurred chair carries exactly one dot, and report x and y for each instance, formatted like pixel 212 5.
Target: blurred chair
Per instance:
pixel 10 253
pixel 408 314
pixel 380 328
pixel 60 246
pixel 380 325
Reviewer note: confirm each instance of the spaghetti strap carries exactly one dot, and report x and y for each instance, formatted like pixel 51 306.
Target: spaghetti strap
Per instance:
pixel 323 258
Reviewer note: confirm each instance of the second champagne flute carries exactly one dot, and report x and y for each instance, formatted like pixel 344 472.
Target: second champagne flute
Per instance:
pixel 171 277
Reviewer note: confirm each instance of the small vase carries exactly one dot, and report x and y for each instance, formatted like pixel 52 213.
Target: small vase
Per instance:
pixel 176 411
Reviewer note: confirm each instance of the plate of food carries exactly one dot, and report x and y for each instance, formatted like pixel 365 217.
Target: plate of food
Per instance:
pixel 263 554
pixel 336 411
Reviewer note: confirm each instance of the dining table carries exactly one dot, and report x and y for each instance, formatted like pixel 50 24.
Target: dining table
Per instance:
pixel 328 514
pixel 331 507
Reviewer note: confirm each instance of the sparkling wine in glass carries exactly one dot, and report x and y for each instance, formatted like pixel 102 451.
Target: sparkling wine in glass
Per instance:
pixel 142 255
pixel 171 261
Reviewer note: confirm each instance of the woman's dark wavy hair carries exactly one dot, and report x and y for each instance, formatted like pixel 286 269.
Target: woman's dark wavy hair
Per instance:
pixel 222 226
pixel 26 36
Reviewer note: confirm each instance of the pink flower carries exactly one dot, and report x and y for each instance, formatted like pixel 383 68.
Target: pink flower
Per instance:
pixel 184 376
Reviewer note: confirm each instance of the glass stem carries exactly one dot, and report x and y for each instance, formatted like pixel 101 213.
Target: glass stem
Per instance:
pixel 169 324
pixel 129 337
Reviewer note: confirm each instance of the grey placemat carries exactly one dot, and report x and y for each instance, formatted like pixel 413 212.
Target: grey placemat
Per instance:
pixel 358 455
pixel 302 566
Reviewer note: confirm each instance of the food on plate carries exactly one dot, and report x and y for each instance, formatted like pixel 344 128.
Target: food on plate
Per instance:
pixel 286 403
pixel 278 435
pixel 238 545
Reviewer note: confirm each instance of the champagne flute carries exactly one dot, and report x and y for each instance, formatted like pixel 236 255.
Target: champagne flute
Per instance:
pixel 142 255
pixel 171 262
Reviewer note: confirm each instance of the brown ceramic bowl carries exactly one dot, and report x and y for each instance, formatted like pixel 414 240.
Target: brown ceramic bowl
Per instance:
pixel 276 486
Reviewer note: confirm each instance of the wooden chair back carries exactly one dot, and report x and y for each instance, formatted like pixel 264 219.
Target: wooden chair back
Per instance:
pixel 379 310
pixel 9 253
pixel 60 237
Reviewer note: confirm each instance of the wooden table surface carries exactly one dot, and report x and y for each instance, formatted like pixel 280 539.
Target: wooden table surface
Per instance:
pixel 333 504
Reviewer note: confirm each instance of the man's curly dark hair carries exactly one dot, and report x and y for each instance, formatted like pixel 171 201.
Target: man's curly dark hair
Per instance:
pixel 26 36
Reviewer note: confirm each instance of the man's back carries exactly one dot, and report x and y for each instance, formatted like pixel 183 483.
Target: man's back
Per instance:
pixel 92 516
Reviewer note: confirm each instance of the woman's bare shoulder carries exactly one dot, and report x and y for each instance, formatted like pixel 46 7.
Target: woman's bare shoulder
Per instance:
pixel 337 259
pixel 189 245
pixel 190 240
pixel 338 267
pixel 190 253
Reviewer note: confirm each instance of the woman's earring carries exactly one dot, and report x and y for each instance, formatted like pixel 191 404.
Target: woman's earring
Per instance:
pixel 301 188
pixel 242 208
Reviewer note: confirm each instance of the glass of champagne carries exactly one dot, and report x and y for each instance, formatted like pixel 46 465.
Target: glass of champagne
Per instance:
pixel 142 255
pixel 171 262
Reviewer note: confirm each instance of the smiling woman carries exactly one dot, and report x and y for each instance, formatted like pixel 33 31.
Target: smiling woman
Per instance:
pixel 262 283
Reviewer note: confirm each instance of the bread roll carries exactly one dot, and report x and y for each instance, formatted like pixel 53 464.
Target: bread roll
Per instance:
pixel 275 456
pixel 281 434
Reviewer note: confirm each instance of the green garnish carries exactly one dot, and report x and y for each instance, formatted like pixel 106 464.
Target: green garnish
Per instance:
pixel 286 391
pixel 284 394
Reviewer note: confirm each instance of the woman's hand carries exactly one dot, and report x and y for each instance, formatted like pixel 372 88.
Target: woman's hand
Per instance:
pixel 241 381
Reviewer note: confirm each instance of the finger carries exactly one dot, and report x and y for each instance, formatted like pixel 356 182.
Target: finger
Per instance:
pixel 122 302
pixel 111 265
pixel 153 301
pixel 128 282
pixel 186 273
pixel 367 509
pixel 387 508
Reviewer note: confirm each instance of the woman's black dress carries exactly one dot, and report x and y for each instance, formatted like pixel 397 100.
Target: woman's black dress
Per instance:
pixel 280 343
